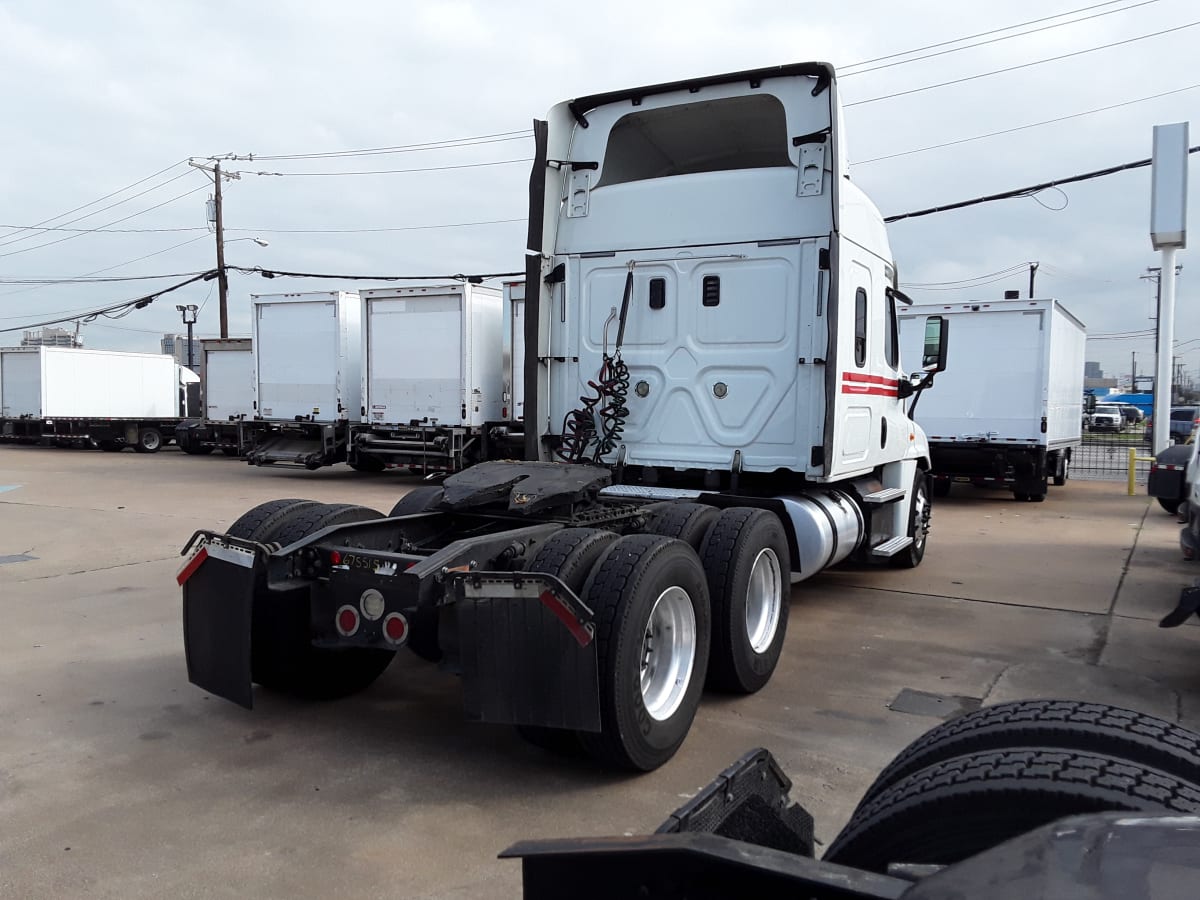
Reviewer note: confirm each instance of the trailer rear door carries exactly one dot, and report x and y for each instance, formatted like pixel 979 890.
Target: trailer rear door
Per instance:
pixel 414 360
pixel 296 346
pixel 994 386
pixel 20 383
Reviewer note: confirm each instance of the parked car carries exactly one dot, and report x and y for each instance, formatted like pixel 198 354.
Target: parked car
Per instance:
pixel 1183 420
pixel 1130 413
pixel 1107 417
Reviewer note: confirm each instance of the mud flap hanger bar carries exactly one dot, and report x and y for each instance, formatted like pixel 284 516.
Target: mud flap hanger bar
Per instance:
pixel 547 589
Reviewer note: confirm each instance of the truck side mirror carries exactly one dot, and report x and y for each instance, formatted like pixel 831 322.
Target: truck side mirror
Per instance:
pixel 933 358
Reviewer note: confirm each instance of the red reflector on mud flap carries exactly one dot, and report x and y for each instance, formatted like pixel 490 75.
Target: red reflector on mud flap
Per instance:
pixel 551 601
pixel 191 566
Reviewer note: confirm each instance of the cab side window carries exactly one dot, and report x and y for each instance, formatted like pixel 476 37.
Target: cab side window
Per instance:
pixel 890 334
pixel 860 327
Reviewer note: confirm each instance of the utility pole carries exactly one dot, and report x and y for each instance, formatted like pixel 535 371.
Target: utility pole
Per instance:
pixel 222 275
pixel 1154 273
pixel 214 172
pixel 1133 374
pixel 1033 267
pixel 189 319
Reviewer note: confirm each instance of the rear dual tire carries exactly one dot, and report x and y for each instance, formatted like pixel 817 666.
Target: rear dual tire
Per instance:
pixel 570 554
pixel 650 598
pixel 282 654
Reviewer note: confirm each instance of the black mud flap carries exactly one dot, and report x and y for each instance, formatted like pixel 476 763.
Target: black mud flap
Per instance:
pixel 218 597
pixel 748 802
pixel 528 652
pixel 1189 604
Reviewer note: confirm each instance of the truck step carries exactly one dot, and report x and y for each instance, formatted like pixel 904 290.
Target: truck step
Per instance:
pixel 887 495
pixel 649 492
pixel 892 546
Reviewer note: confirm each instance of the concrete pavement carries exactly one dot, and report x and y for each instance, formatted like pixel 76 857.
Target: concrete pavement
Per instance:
pixel 120 779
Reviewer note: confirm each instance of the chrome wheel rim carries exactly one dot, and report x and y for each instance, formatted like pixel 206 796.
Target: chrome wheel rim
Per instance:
pixel 920 516
pixel 764 600
pixel 668 655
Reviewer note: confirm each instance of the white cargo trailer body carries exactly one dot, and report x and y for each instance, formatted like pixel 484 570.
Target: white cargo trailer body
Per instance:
pixel 66 383
pixel 514 351
pixel 1008 411
pixel 432 355
pixel 228 368
pixel 1015 372
pixel 306 356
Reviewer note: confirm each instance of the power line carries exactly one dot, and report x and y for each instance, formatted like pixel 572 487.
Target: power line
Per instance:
pixel 1011 270
pixel 107 280
pixel 276 273
pixel 1036 62
pixel 71 237
pixel 479 165
pixel 1004 38
pixel 970 37
pixel 115 310
pixel 376 230
pixel 107 230
pixel 102 209
pixel 1027 191
pixel 497 137
pixel 449 144
pixel 979 137
pixel 97 200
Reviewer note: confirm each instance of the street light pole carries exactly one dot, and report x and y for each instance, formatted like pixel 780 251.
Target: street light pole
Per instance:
pixel 189 319
pixel 222 275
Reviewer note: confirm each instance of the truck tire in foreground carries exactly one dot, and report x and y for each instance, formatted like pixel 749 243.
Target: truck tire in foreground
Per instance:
pixel 650 598
pixel 570 554
pixel 748 566
pixel 959 807
pixel 283 657
pixel 1059 724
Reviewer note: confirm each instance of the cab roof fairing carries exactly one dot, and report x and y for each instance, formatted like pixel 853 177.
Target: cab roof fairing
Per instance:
pixel 566 120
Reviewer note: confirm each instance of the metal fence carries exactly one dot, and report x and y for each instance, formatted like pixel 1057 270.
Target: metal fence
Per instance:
pixel 1105 455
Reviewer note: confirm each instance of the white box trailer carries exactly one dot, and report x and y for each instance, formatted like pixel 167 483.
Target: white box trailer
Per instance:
pixel 306 356
pixel 76 395
pixel 307 375
pixel 226 422
pixel 227 372
pixel 432 377
pixel 1009 411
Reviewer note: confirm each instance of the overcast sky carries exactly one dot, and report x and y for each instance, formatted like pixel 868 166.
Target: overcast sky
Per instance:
pixel 100 95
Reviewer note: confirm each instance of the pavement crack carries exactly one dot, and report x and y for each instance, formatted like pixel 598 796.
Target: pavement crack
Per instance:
pixel 1096 650
pixel 992 684
pixel 136 562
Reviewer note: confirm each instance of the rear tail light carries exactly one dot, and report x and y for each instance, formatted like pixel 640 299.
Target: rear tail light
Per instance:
pixel 395 629
pixel 347 621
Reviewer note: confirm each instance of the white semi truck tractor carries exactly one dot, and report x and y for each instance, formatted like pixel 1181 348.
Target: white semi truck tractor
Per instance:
pixel 714 409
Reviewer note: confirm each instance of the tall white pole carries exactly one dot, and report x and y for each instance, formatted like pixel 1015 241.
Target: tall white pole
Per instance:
pixel 1166 341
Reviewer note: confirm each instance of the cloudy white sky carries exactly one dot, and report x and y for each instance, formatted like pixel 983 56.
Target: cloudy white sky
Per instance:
pixel 100 95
